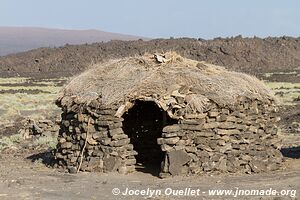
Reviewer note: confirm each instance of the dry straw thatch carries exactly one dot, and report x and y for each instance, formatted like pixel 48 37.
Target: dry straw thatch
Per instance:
pixel 164 79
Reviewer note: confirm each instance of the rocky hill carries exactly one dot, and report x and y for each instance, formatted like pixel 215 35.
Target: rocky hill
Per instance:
pixel 18 39
pixel 251 55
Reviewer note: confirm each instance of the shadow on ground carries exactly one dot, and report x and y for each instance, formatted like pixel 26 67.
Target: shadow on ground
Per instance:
pixel 46 157
pixel 154 170
pixel 291 152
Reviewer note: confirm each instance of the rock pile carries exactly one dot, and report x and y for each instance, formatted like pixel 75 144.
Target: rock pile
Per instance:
pixel 42 127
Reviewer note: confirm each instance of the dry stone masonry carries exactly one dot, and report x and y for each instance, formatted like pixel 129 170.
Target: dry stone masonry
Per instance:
pixel 107 147
pixel 243 140
pixel 198 129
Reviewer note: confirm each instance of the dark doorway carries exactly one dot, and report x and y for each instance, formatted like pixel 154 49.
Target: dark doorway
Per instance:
pixel 143 123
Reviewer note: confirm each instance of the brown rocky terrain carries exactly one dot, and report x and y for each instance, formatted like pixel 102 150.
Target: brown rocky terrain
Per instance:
pixel 251 55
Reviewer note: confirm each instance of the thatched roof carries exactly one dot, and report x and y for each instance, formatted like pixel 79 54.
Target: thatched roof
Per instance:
pixel 170 80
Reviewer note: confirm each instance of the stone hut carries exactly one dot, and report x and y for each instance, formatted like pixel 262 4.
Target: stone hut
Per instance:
pixel 167 113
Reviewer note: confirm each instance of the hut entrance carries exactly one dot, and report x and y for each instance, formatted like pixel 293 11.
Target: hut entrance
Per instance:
pixel 143 124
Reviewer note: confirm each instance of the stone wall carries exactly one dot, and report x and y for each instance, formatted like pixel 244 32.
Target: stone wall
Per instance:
pixel 98 136
pixel 245 140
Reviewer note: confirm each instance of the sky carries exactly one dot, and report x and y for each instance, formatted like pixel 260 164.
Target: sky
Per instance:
pixel 159 18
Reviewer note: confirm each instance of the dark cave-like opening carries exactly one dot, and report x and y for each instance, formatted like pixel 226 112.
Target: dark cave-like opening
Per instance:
pixel 143 124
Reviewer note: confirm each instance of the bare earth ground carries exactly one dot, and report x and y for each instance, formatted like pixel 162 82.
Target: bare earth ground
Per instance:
pixel 22 179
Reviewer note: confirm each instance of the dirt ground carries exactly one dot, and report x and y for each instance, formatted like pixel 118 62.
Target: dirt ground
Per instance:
pixel 24 178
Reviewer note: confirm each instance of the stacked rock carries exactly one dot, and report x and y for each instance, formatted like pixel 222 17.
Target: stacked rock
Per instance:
pixel 42 127
pixel 243 140
pixel 220 139
pixel 93 140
